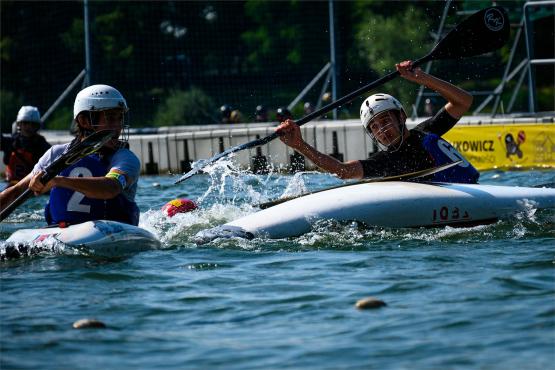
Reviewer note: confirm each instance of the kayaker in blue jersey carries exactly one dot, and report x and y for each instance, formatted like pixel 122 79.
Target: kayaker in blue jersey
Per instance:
pixel 402 150
pixel 99 186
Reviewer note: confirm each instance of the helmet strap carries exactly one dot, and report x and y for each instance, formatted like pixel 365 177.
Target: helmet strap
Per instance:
pixel 402 127
pixel 392 147
pixel 94 118
pixel 84 131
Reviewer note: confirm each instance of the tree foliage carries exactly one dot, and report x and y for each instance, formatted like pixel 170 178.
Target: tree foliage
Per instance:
pixel 384 40
pixel 241 53
pixel 9 106
pixel 191 107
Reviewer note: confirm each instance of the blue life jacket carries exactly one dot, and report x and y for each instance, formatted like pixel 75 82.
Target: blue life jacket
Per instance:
pixel 72 207
pixel 442 152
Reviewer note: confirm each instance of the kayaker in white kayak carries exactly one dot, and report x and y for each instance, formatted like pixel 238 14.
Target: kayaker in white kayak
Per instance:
pixel 402 150
pixel 99 186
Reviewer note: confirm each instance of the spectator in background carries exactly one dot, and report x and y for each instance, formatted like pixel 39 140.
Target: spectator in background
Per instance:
pixel 283 114
pixel 428 108
pixel 235 116
pixel 23 150
pixel 326 99
pixel 308 108
pixel 261 114
pixel 225 113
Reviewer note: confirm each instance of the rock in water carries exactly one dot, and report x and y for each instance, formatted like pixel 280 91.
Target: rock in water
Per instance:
pixel 369 302
pixel 88 324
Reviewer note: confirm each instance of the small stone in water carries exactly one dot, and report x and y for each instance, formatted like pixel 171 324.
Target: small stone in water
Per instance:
pixel 369 302
pixel 88 323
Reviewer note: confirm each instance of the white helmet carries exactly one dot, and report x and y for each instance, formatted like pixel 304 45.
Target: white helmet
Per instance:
pixel 98 98
pixel 28 113
pixel 376 104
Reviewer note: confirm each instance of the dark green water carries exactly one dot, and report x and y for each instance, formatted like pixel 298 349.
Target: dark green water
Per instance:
pixel 473 298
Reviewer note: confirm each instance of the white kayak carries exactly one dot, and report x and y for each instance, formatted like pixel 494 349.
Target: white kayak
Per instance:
pixel 393 204
pixel 99 238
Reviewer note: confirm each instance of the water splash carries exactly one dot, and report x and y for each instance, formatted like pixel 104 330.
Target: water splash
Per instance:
pixel 338 235
pixel 526 220
pixel 295 186
pixel 230 184
pixel 528 212
pixel 180 229
pixel 231 194
pixel 47 247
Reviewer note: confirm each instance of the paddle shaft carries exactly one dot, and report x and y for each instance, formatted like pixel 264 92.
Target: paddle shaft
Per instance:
pixel 16 203
pixel 24 196
pixel 307 118
pixel 328 108
pixel 484 31
pixel 338 103
pixel 88 145
pixel 355 94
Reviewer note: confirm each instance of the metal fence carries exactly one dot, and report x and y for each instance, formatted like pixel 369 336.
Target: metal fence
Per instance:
pixel 240 53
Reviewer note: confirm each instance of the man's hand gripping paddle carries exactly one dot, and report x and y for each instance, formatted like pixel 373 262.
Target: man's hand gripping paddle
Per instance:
pixel 81 149
pixel 484 31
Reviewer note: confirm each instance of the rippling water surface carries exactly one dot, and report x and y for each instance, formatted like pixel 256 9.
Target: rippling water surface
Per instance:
pixel 470 298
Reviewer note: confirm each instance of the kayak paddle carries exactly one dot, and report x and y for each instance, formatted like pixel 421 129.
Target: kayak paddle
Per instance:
pixel 81 149
pixel 484 31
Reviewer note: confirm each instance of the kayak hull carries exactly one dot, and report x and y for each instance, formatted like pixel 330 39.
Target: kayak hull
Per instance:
pixel 388 204
pixel 100 238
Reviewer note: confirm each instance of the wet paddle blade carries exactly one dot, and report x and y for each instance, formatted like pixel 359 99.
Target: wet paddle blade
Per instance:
pixel 482 32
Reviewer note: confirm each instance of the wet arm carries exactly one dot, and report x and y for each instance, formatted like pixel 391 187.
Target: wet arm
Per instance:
pixel 290 134
pixel 345 170
pixel 10 194
pixel 459 100
pixel 91 187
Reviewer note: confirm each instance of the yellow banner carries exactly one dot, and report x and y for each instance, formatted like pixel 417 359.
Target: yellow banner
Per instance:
pixel 505 146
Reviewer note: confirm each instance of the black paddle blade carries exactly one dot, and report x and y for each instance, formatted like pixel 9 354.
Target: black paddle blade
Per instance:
pixel 81 149
pixel 482 32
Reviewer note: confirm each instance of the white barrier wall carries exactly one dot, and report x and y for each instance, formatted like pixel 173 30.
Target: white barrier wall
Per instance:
pixel 171 149
pixel 345 140
pixel 168 152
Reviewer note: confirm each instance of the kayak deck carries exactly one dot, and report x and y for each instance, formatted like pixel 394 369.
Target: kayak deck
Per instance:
pixel 98 238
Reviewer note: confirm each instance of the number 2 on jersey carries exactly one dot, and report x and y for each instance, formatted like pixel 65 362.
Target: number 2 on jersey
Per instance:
pixel 74 203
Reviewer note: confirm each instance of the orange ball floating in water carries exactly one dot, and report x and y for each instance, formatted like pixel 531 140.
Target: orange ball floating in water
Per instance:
pixel 179 205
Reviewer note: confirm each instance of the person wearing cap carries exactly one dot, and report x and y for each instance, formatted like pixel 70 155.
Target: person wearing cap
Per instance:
pixel 261 114
pixel 283 114
pixel 235 116
pixel 308 108
pixel 225 113
pixel 99 186
pixel 25 147
pixel 402 150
